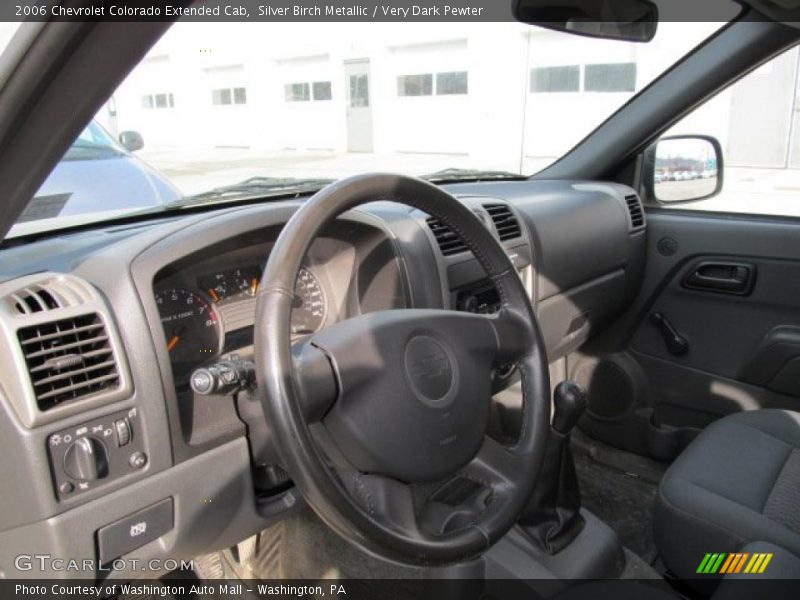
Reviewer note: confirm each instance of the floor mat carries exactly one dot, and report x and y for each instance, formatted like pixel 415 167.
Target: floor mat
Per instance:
pixel 623 500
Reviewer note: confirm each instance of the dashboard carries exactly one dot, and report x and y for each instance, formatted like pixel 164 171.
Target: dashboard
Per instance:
pixel 148 303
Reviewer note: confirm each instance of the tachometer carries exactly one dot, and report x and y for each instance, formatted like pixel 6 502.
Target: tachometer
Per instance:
pixel 310 305
pixel 190 325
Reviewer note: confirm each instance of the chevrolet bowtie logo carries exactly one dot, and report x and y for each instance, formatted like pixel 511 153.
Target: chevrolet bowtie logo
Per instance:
pixel 736 562
pixel 431 366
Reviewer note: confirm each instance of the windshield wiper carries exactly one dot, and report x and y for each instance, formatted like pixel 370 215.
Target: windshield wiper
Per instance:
pixel 454 174
pixel 255 186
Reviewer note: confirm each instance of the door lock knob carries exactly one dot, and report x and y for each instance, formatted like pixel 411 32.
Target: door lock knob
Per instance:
pixel 677 345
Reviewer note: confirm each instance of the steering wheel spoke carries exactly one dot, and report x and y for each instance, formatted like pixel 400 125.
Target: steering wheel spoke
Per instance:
pixel 496 466
pixel 314 379
pixel 513 338
pixel 387 500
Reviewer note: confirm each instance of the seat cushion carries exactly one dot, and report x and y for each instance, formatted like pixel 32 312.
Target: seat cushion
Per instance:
pixel 737 482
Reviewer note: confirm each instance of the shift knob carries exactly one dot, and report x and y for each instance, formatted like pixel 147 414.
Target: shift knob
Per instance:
pixel 569 402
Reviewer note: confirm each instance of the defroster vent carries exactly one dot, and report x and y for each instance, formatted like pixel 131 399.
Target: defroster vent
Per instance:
pixel 635 211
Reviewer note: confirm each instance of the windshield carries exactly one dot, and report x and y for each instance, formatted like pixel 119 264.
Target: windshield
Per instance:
pixel 93 143
pixel 218 111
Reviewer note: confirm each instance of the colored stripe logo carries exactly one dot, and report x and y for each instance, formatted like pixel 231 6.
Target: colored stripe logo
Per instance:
pixel 736 562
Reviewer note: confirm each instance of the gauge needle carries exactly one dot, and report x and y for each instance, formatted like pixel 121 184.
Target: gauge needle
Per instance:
pixel 214 295
pixel 253 285
pixel 173 341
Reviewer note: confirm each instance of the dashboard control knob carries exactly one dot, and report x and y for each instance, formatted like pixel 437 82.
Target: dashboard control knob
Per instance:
pixel 137 460
pixel 123 427
pixel 86 459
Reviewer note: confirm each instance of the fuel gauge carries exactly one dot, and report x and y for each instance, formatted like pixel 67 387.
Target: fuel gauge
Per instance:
pixel 247 280
pixel 231 285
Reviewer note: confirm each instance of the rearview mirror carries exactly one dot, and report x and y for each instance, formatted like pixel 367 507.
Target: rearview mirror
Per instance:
pixel 625 20
pixel 684 168
pixel 131 140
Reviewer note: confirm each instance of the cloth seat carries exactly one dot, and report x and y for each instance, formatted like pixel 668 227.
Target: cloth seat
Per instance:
pixel 736 483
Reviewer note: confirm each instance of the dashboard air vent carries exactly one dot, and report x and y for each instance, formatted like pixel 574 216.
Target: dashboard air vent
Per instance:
pixel 32 300
pixel 635 211
pixel 505 222
pixel 448 240
pixel 57 292
pixel 68 359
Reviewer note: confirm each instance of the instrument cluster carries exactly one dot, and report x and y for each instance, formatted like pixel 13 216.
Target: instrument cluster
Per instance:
pixel 193 317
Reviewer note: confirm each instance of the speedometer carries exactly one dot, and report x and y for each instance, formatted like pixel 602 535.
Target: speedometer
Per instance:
pixel 310 305
pixel 190 326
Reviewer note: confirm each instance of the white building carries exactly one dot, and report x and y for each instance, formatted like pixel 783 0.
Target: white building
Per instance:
pixel 482 91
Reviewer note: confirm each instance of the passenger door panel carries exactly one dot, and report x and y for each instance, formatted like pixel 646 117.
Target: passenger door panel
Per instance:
pixel 732 290
pixel 740 321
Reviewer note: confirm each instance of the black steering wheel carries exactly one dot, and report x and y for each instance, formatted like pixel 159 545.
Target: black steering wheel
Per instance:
pixel 380 420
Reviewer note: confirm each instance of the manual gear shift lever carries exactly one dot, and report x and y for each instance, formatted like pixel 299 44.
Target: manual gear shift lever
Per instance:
pixel 569 402
pixel 552 516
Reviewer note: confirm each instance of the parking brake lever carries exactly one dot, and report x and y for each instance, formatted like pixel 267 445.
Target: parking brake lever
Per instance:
pixel 677 345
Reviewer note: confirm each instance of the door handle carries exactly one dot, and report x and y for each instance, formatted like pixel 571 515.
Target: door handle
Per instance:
pixel 721 277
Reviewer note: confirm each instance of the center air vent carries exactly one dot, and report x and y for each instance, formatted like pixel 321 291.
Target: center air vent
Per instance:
pixel 68 359
pixel 448 240
pixel 505 222
pixel 635 211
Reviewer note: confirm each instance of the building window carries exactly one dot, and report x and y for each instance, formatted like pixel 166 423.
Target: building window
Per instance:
pixel 225 96
pixel 222 96
pixel 322 90
pixel 447 84
pixel 359 91
pixel 415 85
pixel 297 92
pixel 158 101
pixel 556 79
pixel 305 92
pixel 451 83
pixel 619 77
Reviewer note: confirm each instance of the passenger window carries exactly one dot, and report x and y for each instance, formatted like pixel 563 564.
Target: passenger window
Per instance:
pixel 757 123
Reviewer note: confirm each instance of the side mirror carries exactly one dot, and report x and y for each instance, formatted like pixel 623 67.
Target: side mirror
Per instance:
pixel 131 140
pixel 625 20
pixel 683 168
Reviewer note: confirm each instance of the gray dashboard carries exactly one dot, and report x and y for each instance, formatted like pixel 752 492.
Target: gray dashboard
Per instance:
pixel 579 248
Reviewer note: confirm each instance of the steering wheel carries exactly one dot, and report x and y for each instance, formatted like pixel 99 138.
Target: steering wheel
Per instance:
pixel 381 419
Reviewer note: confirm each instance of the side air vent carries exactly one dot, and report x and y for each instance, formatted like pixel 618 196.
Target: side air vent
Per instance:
pixel 68 359
pixel 448 240
pixel 635 211
pixel 505 222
